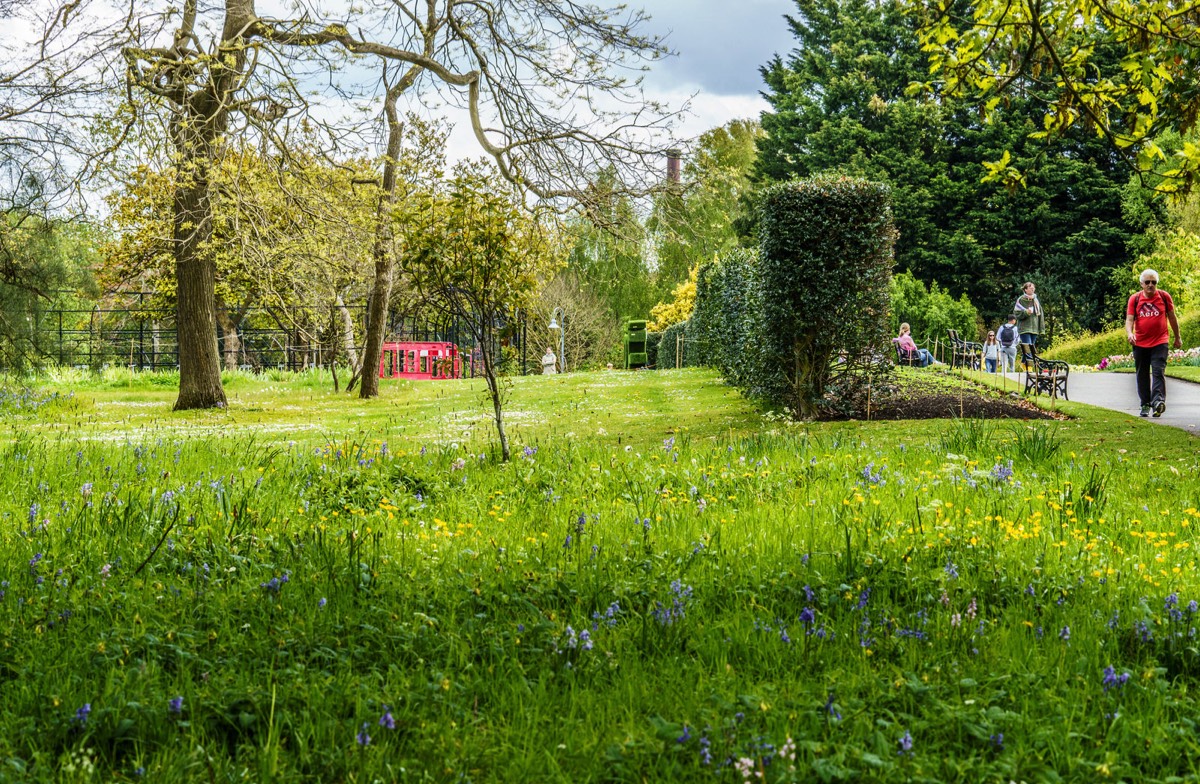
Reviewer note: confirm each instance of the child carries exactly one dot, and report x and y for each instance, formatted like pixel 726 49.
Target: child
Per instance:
pixel 991 352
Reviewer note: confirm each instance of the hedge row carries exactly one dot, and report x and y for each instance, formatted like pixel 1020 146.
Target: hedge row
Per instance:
pixel 809 311
pixel 1092 349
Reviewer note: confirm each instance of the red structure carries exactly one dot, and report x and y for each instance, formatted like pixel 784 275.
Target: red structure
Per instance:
pixel 420 359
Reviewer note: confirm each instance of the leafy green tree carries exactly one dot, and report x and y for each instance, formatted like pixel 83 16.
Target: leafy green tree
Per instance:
pixel 608 251
pixel 481 257
pixel 547 87
pixel 841 101
pixel 930 311
pixel 1124 70
pixel 696 220
pixel 44 265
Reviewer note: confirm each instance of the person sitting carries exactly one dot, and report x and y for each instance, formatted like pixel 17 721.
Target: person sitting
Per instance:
pixel 909 346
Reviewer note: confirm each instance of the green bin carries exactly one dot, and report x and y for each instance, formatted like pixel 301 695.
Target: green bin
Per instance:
pixel 635 344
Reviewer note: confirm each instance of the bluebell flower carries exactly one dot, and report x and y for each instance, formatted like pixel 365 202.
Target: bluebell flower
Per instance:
pixel 387 721
pixel 1065 633
pixel 321 602
pixel 906 743
pixel 362 737
pixel 808 594
pixel 998 741
pixel 831 708
pixel 81 714
pixel 686 736
pixel 951 570
pixel 1112 680
pixel 863 598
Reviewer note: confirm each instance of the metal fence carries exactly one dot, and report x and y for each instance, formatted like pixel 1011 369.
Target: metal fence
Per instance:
pixel 263 339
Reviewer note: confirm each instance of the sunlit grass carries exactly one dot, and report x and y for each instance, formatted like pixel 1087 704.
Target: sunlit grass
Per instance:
pixel 698 591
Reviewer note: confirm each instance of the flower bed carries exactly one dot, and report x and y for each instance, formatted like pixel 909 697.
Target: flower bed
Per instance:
pixel 1189 356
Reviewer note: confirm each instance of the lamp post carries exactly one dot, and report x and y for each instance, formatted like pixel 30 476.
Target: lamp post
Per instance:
pixel 562 335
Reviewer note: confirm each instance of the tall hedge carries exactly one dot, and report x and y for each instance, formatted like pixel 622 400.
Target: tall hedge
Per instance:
pixel 825 268
pixel 726 325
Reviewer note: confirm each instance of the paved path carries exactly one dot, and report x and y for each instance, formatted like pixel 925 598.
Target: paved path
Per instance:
pixel 1118 391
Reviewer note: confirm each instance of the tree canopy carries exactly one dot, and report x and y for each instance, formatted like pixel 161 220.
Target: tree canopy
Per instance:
pixel 1126 71
pixel 841 101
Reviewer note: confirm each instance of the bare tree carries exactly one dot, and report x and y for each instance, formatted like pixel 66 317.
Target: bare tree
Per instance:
pixel 550 86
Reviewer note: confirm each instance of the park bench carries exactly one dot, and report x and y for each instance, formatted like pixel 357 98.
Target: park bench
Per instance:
pixel 964 353
pixel 906 358
pixel 1044 375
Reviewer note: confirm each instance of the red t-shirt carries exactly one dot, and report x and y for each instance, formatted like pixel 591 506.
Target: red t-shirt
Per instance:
pixel 1150 318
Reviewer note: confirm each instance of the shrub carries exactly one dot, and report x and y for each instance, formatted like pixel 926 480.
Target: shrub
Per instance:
pixel 1093 348
pixel 931 311
pixel 825 268
pixel 664 314
pixel 724 325
pixel 665 351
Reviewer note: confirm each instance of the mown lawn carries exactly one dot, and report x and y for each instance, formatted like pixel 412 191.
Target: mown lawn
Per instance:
pixel 664 585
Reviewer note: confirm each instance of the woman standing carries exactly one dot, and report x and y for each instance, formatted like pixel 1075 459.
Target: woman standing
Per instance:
pixel 1031 321
pixel 991 352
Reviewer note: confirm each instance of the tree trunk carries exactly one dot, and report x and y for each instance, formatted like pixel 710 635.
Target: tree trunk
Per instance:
pixel 232 343
pixel 348 335
pixel 382 249
pixel 493 383
pixel 198 127
pixel 195 303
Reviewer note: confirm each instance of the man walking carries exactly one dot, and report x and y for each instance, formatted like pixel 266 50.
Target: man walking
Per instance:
pixel 1146 318
pixel 1007 336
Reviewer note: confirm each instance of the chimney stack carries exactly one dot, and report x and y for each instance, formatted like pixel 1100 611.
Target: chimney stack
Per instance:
pixel 673 158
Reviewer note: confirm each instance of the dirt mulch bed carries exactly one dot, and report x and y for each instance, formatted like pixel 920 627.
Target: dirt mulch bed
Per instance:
pixel 910 399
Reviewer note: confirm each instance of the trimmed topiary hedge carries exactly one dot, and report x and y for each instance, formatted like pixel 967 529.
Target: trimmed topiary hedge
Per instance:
pixel 825 268
pixel 799 323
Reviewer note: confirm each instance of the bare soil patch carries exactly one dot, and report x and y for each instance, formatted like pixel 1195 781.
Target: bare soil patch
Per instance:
pixel 945 397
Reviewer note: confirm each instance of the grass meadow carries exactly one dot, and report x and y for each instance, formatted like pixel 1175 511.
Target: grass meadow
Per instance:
pixel 665 584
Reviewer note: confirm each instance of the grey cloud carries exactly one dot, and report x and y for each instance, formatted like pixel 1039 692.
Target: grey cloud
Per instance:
pixel 721 44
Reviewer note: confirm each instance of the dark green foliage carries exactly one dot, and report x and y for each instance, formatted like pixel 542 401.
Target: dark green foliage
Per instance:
pixel 668 348
pixel 653 340
pixel 726 324
pixel 841 102
pixel 930 311
pixel 825 267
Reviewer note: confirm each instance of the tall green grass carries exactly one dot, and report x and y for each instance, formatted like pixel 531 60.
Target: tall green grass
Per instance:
pixel 942 601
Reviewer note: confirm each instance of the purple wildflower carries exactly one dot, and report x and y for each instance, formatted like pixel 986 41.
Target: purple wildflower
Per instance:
pixel 906 743
pixel 387 721
pixel 1112 680
pixel 81 715
pixel 175 705
pixel 362 737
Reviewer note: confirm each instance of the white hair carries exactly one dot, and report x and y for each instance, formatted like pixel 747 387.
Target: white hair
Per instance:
pixel 1146 273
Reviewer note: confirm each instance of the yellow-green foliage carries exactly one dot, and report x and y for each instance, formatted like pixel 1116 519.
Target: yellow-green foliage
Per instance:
pixel 665 314
pixel 1093 348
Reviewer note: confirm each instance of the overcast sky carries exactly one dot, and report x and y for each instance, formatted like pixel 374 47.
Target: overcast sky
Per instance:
pixel 721 44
